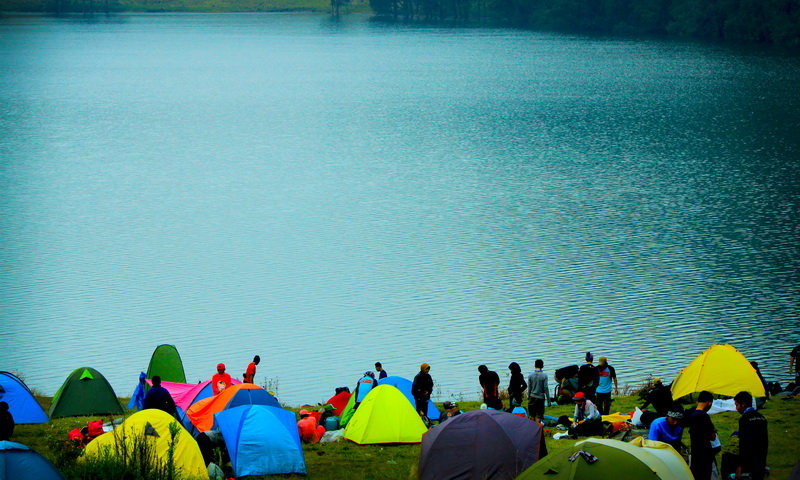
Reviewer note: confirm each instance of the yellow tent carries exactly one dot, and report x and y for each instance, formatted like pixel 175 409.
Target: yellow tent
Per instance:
pixel 385 416
pixel 722 370
pixel 152 426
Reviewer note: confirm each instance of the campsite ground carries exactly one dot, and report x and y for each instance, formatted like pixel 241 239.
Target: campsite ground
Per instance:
pixel 348 460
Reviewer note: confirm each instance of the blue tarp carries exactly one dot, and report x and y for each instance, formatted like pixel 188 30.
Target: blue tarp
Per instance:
pixel 18 462
pixel 261 440
pixel 23 407
pixel 137 397
pixel 404 385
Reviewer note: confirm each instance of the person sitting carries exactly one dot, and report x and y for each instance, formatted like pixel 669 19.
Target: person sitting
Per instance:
pixel 158 397
pixel 668 429
pixel 660 397
pixel 450 410
pixel 310 431
pixel 586 419
pixel 221 380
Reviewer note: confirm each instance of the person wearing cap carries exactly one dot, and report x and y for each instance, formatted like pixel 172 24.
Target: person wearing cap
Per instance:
pixel 606 376
pixel 588 377
pixel 421 389
pixel 364 386
pixel 221 380
pixel 450 410
pixel 308 427
pixel 381 372
pixel 668 429
pixel 587 419
pixel 250 373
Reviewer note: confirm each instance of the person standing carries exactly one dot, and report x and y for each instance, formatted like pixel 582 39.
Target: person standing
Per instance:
pixel 701 434
pixel 606 376
pixel 422 388
pixel 753 438
pixel 588 377
pixel 794 364
pixel 6 422
pixel 538 393
pixel 221 380
pixel 490 383
pixel 364 386
pixel 158 397
pixel 516 385
pixel 381 372
pixel 250 373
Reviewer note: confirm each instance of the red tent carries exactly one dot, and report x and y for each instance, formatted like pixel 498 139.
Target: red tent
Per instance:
pixel 339 401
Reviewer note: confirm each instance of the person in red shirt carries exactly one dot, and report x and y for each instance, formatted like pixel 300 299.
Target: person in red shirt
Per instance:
pixel 250 373
pixel 221 380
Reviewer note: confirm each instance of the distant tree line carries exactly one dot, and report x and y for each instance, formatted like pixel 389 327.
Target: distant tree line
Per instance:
pixel 762 21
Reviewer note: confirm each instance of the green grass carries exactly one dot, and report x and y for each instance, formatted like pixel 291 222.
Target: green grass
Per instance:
pixel 390 462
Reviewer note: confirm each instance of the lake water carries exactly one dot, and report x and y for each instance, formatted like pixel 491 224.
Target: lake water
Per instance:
pixel 328 194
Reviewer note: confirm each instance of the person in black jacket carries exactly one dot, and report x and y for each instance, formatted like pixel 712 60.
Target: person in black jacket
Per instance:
pixel 701 434
pixel 6 422
pixel 490 384
pixel 753 438
pixel 421 389
pixel 588 377
pixel 158 397
pixel 516 385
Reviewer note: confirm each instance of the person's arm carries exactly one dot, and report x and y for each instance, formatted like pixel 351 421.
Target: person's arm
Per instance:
pixel 614 377
pixel 546 392
pixel 792 359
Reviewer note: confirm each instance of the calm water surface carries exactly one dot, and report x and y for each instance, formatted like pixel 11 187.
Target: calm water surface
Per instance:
pixel 329 194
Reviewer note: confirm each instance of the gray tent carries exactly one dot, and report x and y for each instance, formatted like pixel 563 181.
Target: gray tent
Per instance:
pixel 481 444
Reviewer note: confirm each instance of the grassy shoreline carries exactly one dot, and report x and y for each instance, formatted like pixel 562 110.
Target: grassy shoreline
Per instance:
pixel 389 462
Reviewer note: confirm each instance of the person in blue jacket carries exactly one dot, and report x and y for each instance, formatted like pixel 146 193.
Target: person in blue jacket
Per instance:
pixel 365 385
pixel 668 429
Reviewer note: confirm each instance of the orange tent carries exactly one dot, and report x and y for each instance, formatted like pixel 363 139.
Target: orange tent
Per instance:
pixel 201 414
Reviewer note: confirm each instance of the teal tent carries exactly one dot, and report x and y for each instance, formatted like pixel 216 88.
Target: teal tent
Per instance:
pixel 18 462
pixel 261 440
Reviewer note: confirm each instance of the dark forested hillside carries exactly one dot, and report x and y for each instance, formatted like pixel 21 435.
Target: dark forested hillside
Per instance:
pixel 763 21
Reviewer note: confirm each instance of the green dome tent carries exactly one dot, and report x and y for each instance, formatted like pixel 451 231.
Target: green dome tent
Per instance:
pixel 385 416
pixel 638 460
pixel 166 363
pixel 85 392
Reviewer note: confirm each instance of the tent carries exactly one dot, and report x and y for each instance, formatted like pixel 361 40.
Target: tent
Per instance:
pixel 85 392
pixel 153 426
pixel 261 440
pixel 722 370
pixel 166 363
pixel 339 402
pixel 185 394
pixel 21 403
pixel 404 385
pixel 385 416
pixel 638 460
pixel 480 444
pixel 18 462
pixel 201 414
pixel 349 410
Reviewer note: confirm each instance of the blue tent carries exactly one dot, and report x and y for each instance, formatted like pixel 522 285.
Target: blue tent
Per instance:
pixel 404 385
pixel 23 407
pixel 261 440
pixel 18 462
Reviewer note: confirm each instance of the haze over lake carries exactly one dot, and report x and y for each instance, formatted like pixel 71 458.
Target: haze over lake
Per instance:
pixel 328 194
